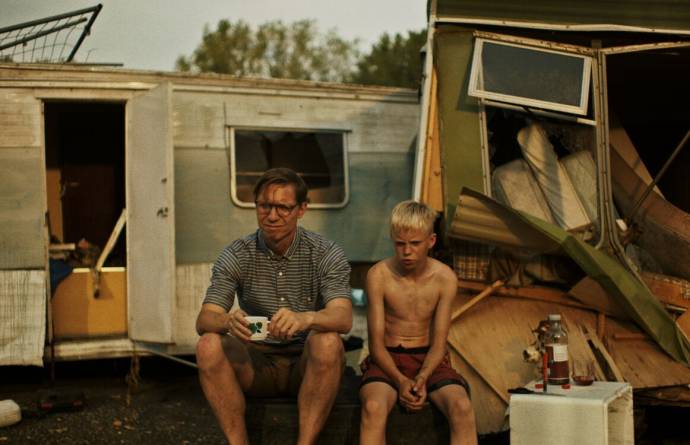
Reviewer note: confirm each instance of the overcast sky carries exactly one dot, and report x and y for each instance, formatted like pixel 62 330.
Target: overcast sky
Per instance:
pixel 151 34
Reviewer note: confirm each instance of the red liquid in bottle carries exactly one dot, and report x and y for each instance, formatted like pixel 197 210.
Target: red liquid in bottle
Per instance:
pixel 556 343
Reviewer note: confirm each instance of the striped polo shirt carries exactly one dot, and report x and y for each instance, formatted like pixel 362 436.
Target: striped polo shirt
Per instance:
pixel 312 272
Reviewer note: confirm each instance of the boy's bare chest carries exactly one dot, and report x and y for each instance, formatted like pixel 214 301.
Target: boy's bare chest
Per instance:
pixel 411 300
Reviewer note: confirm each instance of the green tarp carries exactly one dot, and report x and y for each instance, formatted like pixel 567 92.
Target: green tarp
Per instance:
pixel 480 218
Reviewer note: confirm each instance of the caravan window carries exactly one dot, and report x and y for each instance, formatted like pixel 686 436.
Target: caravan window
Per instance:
pixel 319 157
pixel 530 76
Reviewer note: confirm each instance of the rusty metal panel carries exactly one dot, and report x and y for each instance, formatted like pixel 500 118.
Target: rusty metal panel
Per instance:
pixel 660 15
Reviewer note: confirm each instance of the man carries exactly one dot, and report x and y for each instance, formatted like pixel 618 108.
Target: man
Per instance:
pixel 298 279
pixel 409 302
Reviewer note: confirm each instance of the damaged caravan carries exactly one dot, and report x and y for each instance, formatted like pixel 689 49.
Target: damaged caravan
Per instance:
pixel 144 177
pixel 554 143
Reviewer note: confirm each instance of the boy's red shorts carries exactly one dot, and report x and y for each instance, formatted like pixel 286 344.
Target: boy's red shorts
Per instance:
pixel 409 361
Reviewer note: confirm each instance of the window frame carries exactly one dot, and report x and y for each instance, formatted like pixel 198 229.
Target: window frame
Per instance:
pixel 477 68
pixel 312 205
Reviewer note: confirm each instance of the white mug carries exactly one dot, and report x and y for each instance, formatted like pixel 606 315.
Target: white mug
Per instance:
pixel 259 327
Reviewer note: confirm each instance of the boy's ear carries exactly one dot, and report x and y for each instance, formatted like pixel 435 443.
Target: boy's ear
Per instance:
pixel 432 240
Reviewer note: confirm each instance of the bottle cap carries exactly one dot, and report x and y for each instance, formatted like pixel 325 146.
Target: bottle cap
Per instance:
pixel 554 317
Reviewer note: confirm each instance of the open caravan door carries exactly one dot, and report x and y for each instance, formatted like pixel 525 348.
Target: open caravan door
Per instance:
pixel 150 217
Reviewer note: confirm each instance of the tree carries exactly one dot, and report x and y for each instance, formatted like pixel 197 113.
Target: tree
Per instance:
pixel 393 61
pixel 295 51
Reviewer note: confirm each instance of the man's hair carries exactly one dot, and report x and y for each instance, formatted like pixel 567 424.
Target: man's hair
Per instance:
pixel 412 215
pixel 282 176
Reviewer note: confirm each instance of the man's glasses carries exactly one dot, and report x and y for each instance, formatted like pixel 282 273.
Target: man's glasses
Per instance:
pixel 282 210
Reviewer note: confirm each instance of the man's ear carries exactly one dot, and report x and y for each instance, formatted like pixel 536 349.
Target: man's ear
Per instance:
pixel 301 209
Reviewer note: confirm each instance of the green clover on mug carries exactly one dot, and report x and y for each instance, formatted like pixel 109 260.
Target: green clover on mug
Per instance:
pixel 258 327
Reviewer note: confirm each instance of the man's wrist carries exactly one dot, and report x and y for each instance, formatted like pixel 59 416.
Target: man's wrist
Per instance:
pixel 310 316
pixel 227 318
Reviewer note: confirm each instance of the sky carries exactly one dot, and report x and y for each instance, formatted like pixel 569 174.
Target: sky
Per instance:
pixel 151 34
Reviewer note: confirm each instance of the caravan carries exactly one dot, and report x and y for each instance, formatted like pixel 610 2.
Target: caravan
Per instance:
pixel 148 175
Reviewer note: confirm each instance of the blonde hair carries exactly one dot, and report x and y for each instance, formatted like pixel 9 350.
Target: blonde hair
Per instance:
pixel 412 215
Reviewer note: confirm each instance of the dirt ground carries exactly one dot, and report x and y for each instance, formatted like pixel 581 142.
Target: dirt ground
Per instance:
pixel 167 407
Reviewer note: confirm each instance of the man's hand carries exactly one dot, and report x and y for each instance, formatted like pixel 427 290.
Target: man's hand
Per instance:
pixel 237 325
pixel 410 398
pixel 286 323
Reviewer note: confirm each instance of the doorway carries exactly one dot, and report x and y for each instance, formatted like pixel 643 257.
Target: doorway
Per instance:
pixel 85 179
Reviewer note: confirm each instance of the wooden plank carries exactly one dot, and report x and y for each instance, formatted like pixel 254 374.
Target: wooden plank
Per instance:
pixel 62 247
pixel 640 360
pixel 630 336
pixel 582 358
pixel 489 408
pixel 492 338
pixel 483 294
pixel 601 325
pixel 670 290
pixel 544 294
pixel 590 293
pixel 503 395
pixel 600 350
pixel 114 235
pixel 53 189
pixel 432 184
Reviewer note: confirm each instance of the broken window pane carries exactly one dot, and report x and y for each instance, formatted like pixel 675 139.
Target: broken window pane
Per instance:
pixel 317 156
pixel 530 76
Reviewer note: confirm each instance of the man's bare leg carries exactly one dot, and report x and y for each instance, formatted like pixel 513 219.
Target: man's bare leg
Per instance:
pixel 323 361
pixel 377 399
pixel 453 401
pixel 225 369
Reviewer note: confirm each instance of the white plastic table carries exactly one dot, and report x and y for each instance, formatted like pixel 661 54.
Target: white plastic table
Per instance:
pixel 600 414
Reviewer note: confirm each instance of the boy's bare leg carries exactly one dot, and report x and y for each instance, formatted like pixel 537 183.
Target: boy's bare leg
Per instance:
pixel 377 399
pixel 323 360
pixel 224 370
pixel 453 401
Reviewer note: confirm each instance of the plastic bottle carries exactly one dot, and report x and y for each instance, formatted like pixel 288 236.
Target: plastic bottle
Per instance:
pixel 556 343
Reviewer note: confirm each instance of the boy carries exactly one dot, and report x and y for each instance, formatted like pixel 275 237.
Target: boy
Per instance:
pixel 409 305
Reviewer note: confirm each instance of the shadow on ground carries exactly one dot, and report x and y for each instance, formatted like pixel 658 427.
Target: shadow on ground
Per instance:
pixel 166 406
